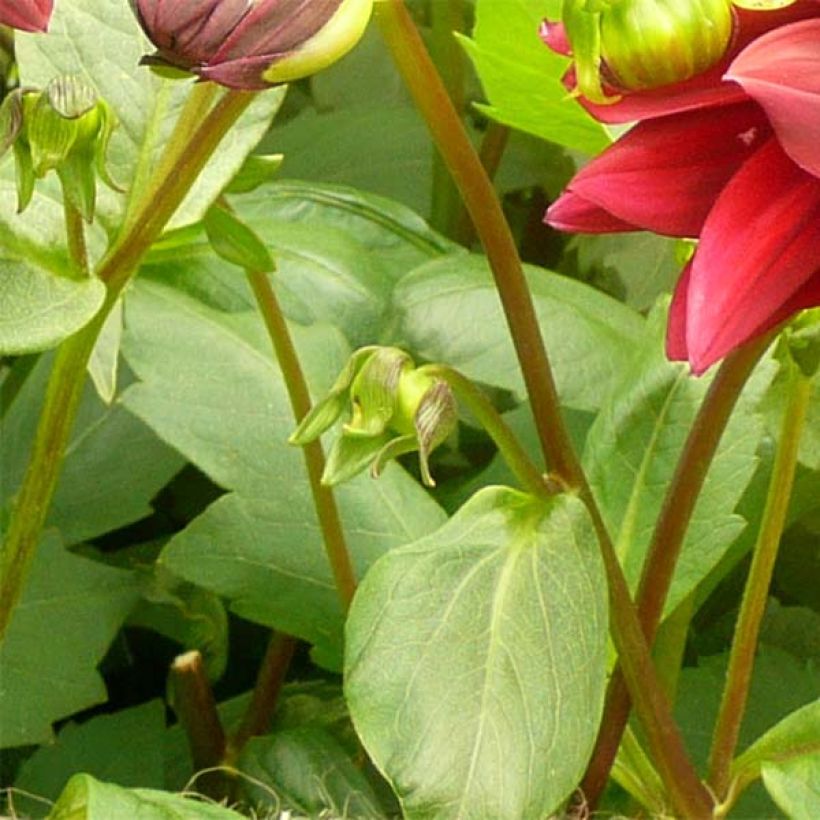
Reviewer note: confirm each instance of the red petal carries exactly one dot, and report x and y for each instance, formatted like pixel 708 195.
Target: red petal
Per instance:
pixel 665 174
pixel 26 15
pixel 781 70
pixel 574 214
pixel 758 250
pixel 676 349
pixel 554 35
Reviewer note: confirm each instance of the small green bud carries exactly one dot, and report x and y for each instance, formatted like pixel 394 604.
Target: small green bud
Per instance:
pixel 394 408
pixel 642 44
pixel 64 128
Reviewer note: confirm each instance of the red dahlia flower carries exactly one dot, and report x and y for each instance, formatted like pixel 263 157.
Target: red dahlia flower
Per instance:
pixel 731 156
pixel 251 44
pixel 27 15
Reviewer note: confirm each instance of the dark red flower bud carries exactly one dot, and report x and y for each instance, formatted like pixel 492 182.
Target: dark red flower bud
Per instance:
pixel 27 15
pixel 252 44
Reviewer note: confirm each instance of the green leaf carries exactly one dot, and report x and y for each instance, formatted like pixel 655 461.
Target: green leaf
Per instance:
pixel 187 614
pixel 87 34
pixel 476 659
pixel 640 267
pixel 448 311
pixel 38 309
pixel 632 451
pixel 114 464
pixel 795 786
pixel 796 736
pixel 85 798
pixel 522 76
pixel 124 748
pixel 70 611
pixel 235 242
pixel 259 546
pixel 338 254
pixel 780 685
pixel 306 771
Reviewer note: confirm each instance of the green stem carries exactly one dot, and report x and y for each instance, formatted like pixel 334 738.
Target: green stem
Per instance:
pixel 269 682
pixel 195 707
pixel 488 417
pixel 68 373
pixel 753 605
pixel 667 542
pixel 448 17
pixel 450 137
pixel 491 152
pixel 431 98
pixel 323 498
pixel 75 238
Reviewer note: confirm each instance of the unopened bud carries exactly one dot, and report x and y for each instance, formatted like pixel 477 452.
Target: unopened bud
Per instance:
pixel 649 43
pixel 640 44
pixel 394 407
pixel 251 45
pixel 65 128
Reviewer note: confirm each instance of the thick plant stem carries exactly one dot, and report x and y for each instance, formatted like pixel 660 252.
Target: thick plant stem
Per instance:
pixel 753 605
pixel 667 541
pixel 490 153
pixel 269 682
pixel 68 372
pixel 488 417
pixel 323 499
pixel 688 794
pixel 195 707
pixel 447 19
pixel 450 137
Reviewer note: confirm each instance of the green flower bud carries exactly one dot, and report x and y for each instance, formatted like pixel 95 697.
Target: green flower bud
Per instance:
pixel 394 408
pixel 64 128
pixel 644 44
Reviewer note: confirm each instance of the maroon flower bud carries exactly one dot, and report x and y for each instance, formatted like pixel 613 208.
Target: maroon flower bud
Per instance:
pixel 27 15
pixel 251 44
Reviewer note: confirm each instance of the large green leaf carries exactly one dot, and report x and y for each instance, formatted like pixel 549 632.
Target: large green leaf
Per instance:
pixel 338 254
pixel 448 311
pixel 259 546
pixel 114 464
pixel 306 771
pixel 795 786
pixel 476 659
pixel 795 737
pixel 124 748
pixel 632 450
pixel 522 77
pixel 781 684
pixel 85 798
pixel 70 611
pixel 38 309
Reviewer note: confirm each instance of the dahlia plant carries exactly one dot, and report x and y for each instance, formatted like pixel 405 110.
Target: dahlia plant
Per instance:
pixel 336 483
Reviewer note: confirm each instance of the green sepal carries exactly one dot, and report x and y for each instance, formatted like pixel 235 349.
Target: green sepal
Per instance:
pixel 235 242
pixel 11 119
pixel 324 414
pixel 374 391
pixel 393 449
pixel 349 455
pixel 79 182
pixel 24 175
pixel 436 418
pixel 582 21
